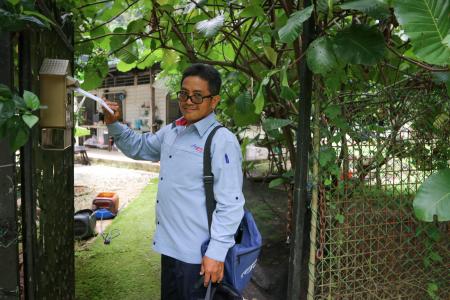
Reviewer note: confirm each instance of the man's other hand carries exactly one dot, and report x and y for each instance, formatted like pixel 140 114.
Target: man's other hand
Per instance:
pixel 109 118
pixel 212 269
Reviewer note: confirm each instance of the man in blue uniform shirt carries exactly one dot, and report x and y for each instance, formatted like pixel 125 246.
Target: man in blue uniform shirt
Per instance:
pixel 182 224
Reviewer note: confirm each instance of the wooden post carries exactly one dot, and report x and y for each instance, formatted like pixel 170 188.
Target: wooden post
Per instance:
pixel 298 261
pixel 153 101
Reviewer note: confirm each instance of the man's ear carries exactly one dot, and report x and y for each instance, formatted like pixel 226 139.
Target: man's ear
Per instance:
pixel 215 100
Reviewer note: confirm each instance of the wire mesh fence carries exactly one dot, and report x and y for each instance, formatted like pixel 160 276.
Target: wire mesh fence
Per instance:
pixel 369 245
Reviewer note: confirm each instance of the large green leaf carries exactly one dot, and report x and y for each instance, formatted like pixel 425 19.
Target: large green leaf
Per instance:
pixel 289 32
pixel 124 67
pixel 244 110
pixel 373 8
pixel 149 58
pixel 320 56
pixel 433 197
pixel 272 123
pixel 92 80
pixel 360 44
pixel 427 24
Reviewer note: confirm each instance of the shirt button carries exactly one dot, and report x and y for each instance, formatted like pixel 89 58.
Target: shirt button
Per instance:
pixel 157 201
pixel 170 156
pixel 154 243
pixel 161 178
pixel 158 222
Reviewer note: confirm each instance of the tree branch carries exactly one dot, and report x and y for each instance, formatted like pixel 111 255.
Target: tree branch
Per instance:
pixel 95 3
pixel 418 63
pixel 115 17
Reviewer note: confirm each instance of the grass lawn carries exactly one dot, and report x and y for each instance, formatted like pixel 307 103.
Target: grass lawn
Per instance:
pixel 127 268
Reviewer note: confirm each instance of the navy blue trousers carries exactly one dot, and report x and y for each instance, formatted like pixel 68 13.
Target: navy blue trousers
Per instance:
pixel 180 280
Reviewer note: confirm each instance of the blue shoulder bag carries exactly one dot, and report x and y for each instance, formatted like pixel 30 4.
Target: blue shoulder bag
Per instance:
pixel 242 257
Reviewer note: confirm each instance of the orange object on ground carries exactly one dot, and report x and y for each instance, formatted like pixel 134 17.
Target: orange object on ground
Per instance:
pixel 106 200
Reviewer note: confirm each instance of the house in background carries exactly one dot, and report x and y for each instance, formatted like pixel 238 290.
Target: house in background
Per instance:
pixel 145 102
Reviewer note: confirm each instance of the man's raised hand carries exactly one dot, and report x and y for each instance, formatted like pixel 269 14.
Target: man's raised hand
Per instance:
pixel 109 118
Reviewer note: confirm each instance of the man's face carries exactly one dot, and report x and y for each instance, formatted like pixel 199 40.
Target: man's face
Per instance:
pixel 194 85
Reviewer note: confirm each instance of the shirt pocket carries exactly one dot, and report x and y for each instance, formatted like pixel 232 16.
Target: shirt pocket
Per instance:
pixel 188 162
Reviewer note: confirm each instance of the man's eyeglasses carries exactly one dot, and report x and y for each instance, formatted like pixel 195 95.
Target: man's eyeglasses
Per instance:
pixel 195 98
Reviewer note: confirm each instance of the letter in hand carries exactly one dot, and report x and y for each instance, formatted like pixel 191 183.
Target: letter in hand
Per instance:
pixel 109 119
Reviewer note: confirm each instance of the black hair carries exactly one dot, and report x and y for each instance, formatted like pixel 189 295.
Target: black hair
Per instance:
pixel 207 73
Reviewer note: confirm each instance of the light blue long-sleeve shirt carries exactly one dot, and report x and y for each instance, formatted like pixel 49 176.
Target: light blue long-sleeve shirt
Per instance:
pixel 181 218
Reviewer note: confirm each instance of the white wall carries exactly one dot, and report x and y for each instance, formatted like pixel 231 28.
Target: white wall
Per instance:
pixel 136 96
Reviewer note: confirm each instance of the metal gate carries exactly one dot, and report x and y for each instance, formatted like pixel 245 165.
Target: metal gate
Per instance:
pixel 36 186
pixel 368 243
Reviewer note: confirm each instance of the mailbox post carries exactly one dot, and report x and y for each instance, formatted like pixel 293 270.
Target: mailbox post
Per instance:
pixel 57 104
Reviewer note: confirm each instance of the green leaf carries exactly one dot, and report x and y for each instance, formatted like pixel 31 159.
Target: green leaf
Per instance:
pixel 252 11
pixel 18 133
pixel 434 256
pixel 244 110
pixel 340 218
pixel 103 41
pixel 81 131
pixel 7 110
pixel 259 99
pixel 210 27
pixel 333 112
pixel 31 100
pixel 289 32
pixel 118 40
pixel 136 26
pixel 149 58
pixel 271 54
pixel 432 289
pixel 373 8
pixel 33 20
pixel 170 59
pixel 38 15
pixel 446 41
pixel 320 56
pixel 5 92
pixel 433 198
pixel 327 156
pixel 92 80
pixel 360 44
pixel 276 182
pixel 124 67
pixel 272 123
pixel 128 54
pixel 427 24
pixel 30 120
pixel 288 94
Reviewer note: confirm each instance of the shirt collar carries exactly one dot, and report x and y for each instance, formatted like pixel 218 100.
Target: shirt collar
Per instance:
pixel 202 126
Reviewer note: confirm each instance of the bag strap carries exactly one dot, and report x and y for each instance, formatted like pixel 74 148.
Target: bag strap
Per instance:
pixel 208 177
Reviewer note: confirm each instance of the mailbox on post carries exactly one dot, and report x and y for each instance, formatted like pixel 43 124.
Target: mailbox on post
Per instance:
pixel 56 119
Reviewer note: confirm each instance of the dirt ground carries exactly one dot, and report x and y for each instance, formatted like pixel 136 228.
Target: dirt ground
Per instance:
pixel 268 206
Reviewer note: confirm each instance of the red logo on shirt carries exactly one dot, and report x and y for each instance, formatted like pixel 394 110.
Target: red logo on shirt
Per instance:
pixel 197 148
